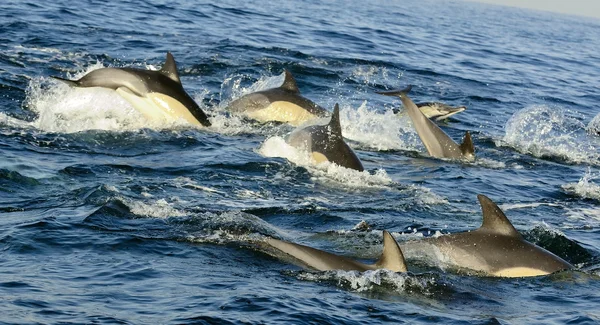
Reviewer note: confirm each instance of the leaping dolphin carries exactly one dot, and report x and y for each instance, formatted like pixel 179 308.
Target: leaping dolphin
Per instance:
pixel 281 104
pixel 391 257
pixel 326 143
pixel 436 110
pixel 495 249
pixel 437 142
pixel 156 94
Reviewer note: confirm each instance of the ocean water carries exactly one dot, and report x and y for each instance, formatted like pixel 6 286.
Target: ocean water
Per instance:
pixel 108 218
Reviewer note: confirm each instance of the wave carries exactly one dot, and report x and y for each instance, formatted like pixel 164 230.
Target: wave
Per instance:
pixel 373 281
pixel 550 132
pixel 586 187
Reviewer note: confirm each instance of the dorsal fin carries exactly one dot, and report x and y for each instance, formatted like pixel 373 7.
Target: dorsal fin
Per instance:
pixel 494 219
pixel 392 257
pixel 169 69
pixel 398 92
pixel 467 147
pixel 289 83
pixel 334 125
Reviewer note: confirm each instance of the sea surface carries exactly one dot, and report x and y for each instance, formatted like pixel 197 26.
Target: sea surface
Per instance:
pixel 108 218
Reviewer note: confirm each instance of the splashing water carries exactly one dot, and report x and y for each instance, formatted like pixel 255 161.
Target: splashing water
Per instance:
pixel 586 187
pixel 65 109
pixel 378 131
pixel 543 131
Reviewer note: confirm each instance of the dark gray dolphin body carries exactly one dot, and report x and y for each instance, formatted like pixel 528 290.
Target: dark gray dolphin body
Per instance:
pixel 281 104
pixel 436 110
pixel 391 257
pixel 495 249
pixel 156 94
pixel 326 143
pixel 437 142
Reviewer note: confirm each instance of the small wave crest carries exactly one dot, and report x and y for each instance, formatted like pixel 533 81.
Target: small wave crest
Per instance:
pixel 373 281
pixel 549 132
pixel 594 126
pixel 586 187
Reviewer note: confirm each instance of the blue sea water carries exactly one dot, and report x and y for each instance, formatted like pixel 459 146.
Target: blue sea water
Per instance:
pixel 112 219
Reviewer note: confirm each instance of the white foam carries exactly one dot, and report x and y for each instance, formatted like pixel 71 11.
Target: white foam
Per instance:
pixel 158 209
pixel 379 131
pixel 369 280
pixel 232 226
pixel 594 126
pixel 325 171
pixel 544 131
pixel 65 109
pixel 586 187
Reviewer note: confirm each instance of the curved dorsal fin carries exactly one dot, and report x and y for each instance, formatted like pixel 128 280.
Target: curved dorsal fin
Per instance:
pixel 392 257
pixel 467 147
pixel 334 125
pixel 169 69
pixel 494 219
pixel 289 83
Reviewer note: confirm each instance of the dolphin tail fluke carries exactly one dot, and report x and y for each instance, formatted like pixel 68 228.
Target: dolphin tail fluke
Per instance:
pixel 398 92
pixel 467 147
pixel 72 83
pixel 392 257
pixel 334 124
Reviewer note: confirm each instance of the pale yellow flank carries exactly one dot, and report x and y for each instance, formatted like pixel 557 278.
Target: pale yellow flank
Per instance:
pixel 282 111
pixel 517 272
pixel 319 157
pixel 159 107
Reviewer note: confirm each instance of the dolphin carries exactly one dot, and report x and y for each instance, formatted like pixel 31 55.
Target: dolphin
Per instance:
pixel 325 142
pixel 156 94
pixel 495 249
pixel 391 257
pixel 436 110
pixel 281 104
pixel 437 142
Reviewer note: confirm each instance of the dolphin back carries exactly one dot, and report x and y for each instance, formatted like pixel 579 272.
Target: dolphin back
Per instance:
pixel 391 257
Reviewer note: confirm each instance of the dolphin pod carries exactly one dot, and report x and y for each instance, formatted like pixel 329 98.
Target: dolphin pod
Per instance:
pixel 158 95
pixel 494 249
pixel 280 104
pixel 326 143
pixel 391 257
pixel 437 142
pixel 436 110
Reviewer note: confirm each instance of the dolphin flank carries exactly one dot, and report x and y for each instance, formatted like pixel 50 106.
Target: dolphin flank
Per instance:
pixel 437 142
pixel 158 95
pixel 391 257
pixel 280 104
pixel 326 143
pixel 495 249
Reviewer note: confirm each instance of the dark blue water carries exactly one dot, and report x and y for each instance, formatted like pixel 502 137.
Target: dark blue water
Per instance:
pixel 108 218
